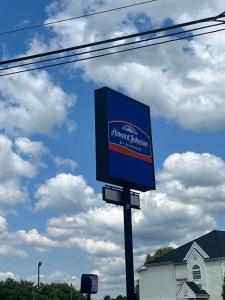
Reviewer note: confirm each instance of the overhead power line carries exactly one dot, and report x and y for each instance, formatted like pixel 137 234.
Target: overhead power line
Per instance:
pixel 139 34
pixel 75 18
pixel 110 53
pixel 219 22
pixel 111 47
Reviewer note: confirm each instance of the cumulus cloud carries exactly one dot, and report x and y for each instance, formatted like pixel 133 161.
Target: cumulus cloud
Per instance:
pixel 105 219
pixel 5 275
pixel 111 273
pixel 65 162
pixel 180 81
pixel 61 277
pixel 34 238
pixel 65 192
pixel 9 244
pixel 11 194
pixel 14 243
pixel 30 148
pixel 57 277
pixel 195 178
pixel 12 165
pixel 10 251
pixel 192 168
pixel 180 202
pixel 94 247
pixel 3 224
pixel 32 103
pixel 160 211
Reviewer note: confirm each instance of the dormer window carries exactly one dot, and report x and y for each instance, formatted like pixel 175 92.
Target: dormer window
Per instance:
pixel 196 272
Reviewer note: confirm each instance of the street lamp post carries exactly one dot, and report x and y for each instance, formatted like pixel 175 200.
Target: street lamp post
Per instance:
pixel 39 265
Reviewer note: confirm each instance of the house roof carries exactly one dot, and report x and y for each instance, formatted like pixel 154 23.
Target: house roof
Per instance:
pixel 195 288
pixel 213 243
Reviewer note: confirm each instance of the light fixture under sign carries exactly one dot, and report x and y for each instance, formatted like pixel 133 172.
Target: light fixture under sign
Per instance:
pixel 114 195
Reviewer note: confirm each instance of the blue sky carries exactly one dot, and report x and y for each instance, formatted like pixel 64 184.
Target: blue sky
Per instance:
pixel 50 202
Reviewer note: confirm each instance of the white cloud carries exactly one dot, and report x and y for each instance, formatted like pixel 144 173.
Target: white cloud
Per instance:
pixel 13 167
pixel 61 277
pixel 14 244
pixel 11 194
pixel 65 192
pixel 60 162
pixel 111 275
pixel 32 103
pixel 58 277
pixel 179 84
pixel 104 220
pixel 195 178
pixel 94 247
pixel 11 164
pixel 3 224
pixel 192 168
pixel 10 251
pixel 160 211
pixel 30 148
pixel 34 238
pixel 99 230
pixel 5 275
pixel 113 266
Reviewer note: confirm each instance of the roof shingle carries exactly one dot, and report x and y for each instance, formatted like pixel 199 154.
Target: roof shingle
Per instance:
pixel 213 243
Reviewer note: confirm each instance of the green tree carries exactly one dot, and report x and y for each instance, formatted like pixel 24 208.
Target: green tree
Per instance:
pixel 223 294
pixel 137 289
pixel 11 289
pixel 107 297
pixel 159 252
pixel 120 297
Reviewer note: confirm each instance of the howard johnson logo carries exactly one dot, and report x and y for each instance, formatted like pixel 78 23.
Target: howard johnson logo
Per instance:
pixel 130 140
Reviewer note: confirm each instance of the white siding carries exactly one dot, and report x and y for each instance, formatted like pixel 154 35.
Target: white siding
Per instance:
pixel 180 275
pixel 158 283
pixel 215 279
pixel 223 266
pixel 197 259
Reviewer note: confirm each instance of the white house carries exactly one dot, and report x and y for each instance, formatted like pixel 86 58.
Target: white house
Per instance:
pixel 192 271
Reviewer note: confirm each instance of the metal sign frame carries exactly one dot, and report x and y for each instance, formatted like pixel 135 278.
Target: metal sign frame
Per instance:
pixel 124 151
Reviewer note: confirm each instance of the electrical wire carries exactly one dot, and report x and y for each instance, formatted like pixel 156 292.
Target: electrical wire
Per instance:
pixel 139 34
pixel 111 53
pixel 110 47
pixel 75 18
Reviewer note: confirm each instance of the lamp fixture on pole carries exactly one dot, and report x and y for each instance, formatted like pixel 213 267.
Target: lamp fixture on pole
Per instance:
pixel 39 265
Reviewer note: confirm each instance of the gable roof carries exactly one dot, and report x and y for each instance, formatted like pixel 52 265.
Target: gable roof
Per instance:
pixel 190 290
pixel 195 288
pixel 213 243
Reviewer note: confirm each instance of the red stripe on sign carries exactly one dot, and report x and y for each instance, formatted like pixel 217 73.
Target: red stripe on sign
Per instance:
pixel 129 152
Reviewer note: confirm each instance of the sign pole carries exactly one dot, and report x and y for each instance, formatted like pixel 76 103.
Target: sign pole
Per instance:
pixel 88 296
pixel 128 243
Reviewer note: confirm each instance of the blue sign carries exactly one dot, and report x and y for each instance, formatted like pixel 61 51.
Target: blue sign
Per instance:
pixel 124 153
pixel 89 284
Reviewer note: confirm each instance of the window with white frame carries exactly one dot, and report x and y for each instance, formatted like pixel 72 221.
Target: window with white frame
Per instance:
pixel 196 272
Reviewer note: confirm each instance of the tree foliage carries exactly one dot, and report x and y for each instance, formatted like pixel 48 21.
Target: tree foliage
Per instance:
pixel 11 289
pixel 159 252
pixel 223 294
pixel 137 290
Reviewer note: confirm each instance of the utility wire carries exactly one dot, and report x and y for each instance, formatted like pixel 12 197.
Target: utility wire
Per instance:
pixel 75 18
pixel 111 53
pixel 22 58
pixel 110 47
